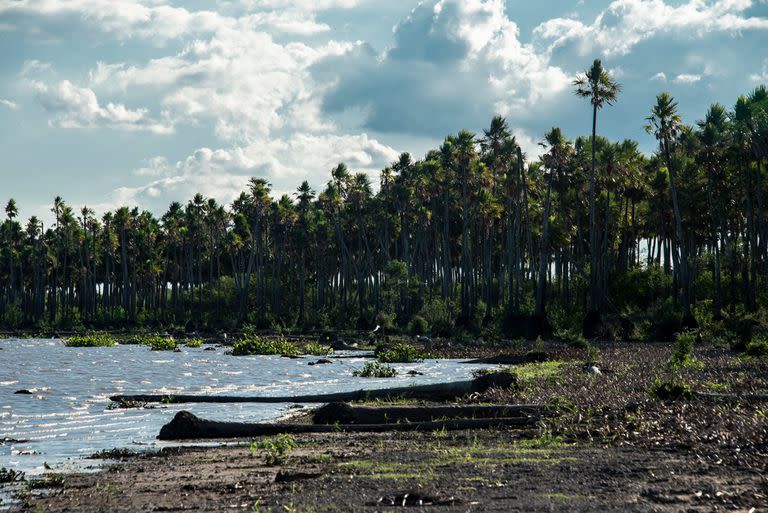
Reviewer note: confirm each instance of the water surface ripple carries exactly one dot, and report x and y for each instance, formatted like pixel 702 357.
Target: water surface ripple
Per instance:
pixel 68 414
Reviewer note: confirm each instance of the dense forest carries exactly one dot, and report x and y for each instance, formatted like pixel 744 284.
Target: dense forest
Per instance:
pixel 473 238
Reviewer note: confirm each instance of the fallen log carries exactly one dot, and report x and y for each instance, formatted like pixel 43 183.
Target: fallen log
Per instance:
pixel 343 413
pixel 436 392
pixel 186 426
pixel 731 397
pixel 512 359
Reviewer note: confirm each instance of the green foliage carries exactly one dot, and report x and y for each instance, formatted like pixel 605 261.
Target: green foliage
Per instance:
pixel 194 342
pixel 757 348
pixel 257 345
pixel 316 349
pixel 375 370
pixel 8 475
pixel 91 340
pixel 48 481
pixel 682 351
pixel 418 325
pixel 400 352
pixel 573 338
pixel 671 389
pixel 274 450
pixel 158 343
pixel 438 317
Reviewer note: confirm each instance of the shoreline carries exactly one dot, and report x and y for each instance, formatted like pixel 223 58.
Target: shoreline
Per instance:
pixel 611 448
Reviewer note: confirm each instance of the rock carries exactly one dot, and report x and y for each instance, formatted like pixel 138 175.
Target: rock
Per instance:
pixel 209 349
pixel 321 361
pixel 23 391
pixel 415 373
pixel 593 369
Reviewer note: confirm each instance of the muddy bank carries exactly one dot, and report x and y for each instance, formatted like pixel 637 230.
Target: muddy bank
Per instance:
pixel 612 447
pixel 480 471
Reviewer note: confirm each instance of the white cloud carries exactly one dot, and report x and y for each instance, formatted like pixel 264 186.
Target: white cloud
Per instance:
pixel 659 77
pixel 626 23
pixel 241 82
pixel 454 64
pixel 78 107
pixel 9 104
pixel 687 78
pixel 224 173
pixel 761 77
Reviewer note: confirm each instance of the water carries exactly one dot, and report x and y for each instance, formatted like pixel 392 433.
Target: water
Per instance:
pixel 68 415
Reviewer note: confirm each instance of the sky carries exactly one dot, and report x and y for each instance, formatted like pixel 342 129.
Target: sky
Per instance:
pixel 144 102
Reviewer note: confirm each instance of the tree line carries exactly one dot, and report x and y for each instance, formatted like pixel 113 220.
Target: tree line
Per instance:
pixel 474 236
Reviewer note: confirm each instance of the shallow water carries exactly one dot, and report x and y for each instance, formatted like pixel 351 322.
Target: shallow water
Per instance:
pixel 68 415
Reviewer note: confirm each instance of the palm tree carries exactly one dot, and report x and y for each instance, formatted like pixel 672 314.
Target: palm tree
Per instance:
pixel 597 85
pixel 665 124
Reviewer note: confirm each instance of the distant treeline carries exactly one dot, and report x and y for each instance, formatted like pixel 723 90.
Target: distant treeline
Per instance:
pixel 473 236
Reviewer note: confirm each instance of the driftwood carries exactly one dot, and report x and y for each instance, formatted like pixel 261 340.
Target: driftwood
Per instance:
pixel 436 392
pixel 186 426
pixel 509 359
pixel 343 413
pixel 731 397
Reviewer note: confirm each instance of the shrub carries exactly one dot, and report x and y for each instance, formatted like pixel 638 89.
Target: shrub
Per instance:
pixel 194 342
pixel 573 338
pixel 274 450
pixel 758 348
pixel 418 325
pixel 256 345
pixel 399 353
pixel 8 475
pixel 438 317
pixel 91 340
pixel 317 349
pixel 674 389
pixel 375 370
pixel 682 351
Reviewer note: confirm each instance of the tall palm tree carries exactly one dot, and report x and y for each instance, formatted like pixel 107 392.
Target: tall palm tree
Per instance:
pixel 597 85
pixel 665 124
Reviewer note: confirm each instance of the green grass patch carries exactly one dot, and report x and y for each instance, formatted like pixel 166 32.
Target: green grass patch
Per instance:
pixel 91 340
pixel 256 345
pixel 534 371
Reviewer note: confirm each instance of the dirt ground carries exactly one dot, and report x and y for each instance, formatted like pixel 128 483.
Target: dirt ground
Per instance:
pixel 458 472
pixel 611 448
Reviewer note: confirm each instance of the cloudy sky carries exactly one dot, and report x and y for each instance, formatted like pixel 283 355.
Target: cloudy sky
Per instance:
pixel 143 102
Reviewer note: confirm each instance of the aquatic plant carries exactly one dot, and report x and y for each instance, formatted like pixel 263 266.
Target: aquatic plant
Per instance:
pixel 316 349
pixel 194 342
pixel 91 340
pixel 400 352
pixel 375 370
pixel 158 343
pixel 257 345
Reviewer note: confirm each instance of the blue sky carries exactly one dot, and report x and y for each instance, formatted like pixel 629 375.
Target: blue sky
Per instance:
pixel 143 102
